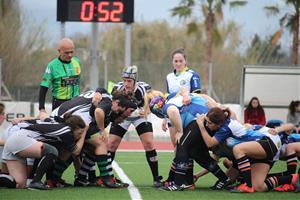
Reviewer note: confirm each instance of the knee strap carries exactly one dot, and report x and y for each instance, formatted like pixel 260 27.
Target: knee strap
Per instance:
pixel 49 149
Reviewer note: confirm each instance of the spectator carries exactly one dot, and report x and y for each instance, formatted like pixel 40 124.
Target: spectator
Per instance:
pixel 2 113
pixel 294 115
pixel 254 113
pixel 2 118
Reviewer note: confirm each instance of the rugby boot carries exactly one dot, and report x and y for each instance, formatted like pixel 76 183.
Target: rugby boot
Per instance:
pixel 38 186
pixel 243 188
pixel 172 187
pixel 158 182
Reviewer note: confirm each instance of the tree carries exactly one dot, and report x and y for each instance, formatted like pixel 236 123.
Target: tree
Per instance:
pixel 213 14
pixel 289 20
pixel 20 43
pixel 265 53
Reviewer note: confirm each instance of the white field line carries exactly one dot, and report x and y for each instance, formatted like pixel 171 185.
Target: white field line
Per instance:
pixel 133 191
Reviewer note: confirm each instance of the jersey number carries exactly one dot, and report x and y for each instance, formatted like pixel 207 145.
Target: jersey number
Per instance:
pixel 88 94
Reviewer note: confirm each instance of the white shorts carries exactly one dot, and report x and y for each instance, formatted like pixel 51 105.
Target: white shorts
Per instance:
pixel 16 143
pixel 8 132
pixel 134 121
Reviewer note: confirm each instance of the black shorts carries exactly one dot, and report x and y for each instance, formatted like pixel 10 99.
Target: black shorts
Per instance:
pixel 222 150
pixel 93 129
pixel 57 102
pixel 269 147
pixel 142 128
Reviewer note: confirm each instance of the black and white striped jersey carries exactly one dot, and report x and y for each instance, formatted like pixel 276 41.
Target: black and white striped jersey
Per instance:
pixel 81 105
pixel 141 88
pixel 54 133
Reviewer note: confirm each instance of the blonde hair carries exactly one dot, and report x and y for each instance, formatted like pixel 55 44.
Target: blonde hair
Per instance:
pixel 147 98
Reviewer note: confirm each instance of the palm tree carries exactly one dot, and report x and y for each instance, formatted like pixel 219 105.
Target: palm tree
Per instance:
pixel 213 14
pixel 289 20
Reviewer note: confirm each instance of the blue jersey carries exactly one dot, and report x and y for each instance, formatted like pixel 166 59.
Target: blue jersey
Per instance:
pixel 295 137
pixel 188 113
pixel 234 133
pixel 188 79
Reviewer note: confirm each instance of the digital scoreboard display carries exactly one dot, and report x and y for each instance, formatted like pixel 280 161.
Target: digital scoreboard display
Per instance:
pixel 116 11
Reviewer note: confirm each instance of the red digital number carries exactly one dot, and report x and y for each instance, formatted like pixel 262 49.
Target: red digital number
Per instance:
pixel 107 10
pixel 115 12
pixel 107 14
pixel 103 10
pixel 87 11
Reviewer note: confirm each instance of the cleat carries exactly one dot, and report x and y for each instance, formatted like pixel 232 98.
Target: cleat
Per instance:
pixel 57 183
pixel 7 181
pixel 285 188
pixel 108 183
pixel 243 188
pixel 83 183
pixel 296 182
pixel 158 182
pixel 172 187
pixel 219 185
pixel 37 186
pixel 232 185
pixel 166 183
pixel 124 185
pixel 191 187
pixel 99 182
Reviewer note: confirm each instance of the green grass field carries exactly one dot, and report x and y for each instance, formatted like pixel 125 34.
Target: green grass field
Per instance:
pixel 136 168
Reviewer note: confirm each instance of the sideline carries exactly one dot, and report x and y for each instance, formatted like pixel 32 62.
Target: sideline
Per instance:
pixel 133 191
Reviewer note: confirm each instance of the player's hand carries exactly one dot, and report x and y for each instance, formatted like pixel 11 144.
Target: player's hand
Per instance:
pixel 142 113
pixel 96 98
pixel 164 125
pixel 200 120
pixel 43 115
pixel 16 120
pixel 178 137
pixel 186 100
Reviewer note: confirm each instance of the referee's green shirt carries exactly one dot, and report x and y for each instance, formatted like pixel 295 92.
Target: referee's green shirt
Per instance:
pixel 63 77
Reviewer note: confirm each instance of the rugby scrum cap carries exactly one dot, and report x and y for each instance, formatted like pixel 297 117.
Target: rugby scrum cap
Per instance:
pixel 130 72
pixel 156 104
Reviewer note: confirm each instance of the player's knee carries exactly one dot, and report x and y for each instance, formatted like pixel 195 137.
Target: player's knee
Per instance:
pixel 49 149
pixel 260 187
pixel 20 183
pixel 113 146
pixel 237 150
pixel 148 145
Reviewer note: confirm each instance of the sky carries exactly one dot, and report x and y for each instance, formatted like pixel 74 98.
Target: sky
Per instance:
pixel 251 18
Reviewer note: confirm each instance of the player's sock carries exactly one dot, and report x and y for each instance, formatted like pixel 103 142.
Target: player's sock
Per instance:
pixel 152 162
pixel 245 169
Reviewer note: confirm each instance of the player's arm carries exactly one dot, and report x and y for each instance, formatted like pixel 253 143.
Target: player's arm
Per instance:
pixel 79 143
pixel 99 117
pixel 209 141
